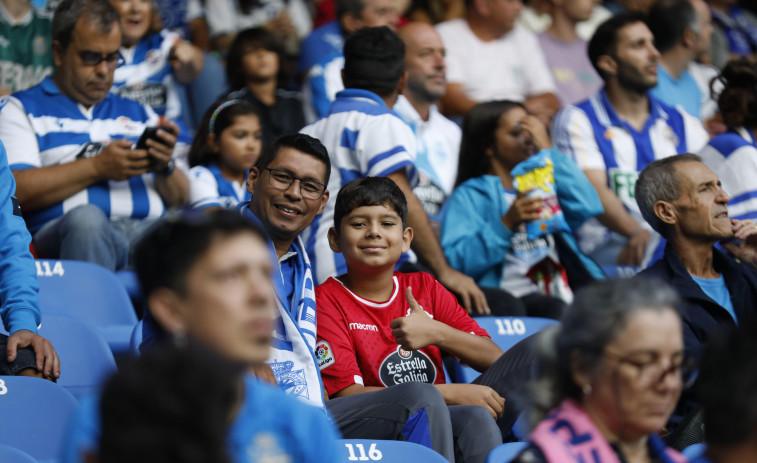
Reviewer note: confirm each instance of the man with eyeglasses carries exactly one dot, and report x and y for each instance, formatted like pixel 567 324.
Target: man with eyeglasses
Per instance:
pixel 85 192
pixel 288 186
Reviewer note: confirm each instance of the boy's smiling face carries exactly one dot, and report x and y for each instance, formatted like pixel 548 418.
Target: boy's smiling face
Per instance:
pixel 371 237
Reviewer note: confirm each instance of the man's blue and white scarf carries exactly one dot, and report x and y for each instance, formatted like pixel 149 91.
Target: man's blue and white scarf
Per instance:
pixel 292 357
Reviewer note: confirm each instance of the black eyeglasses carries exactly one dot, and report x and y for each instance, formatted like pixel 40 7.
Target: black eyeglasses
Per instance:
pixel 91 58
pixel 282 180
pixel 652 372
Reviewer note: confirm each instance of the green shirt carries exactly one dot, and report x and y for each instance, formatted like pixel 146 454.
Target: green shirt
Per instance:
pixel 26 55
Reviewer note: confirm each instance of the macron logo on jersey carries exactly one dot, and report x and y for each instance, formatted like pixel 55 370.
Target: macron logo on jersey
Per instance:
pixel 362 326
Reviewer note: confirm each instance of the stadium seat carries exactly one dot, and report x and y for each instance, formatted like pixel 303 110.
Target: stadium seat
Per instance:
pixel 505 332
pixel 90 293
pixel 10 454
pixel 387 451
pixel 506 452
pixel 85 357
pixel 34 414
pixel 694 450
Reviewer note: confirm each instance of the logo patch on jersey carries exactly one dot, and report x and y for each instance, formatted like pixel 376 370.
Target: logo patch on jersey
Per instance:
pixel 403 366
pixel 39 45
pixel 3 101
pixel 324 355
pixel 16 206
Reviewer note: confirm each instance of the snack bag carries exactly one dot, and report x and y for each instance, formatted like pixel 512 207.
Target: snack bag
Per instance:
pixel 537 175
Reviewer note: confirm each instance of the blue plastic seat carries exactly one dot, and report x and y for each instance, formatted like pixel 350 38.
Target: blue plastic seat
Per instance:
pixel 10 454
pixel 86 359
pixel 35 413
pixel 694 451
pixel 90 293
pixel 505 332
pixel 387 451
pixel 506 452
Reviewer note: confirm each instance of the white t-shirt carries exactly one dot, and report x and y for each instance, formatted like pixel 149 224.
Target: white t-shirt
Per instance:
pixel 511 67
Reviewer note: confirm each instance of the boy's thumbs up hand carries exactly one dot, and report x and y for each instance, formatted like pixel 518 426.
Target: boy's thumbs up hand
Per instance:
pixel 416 330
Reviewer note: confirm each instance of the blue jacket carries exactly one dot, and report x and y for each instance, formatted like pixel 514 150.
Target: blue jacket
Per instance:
pixel 19 290
pixel 702 316
pixel 475 241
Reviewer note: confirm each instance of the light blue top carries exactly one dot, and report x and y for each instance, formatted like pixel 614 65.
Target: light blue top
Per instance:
pixel 683 91
pixel 716 289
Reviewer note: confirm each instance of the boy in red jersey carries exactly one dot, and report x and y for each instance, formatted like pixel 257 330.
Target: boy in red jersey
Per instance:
pixel 378 328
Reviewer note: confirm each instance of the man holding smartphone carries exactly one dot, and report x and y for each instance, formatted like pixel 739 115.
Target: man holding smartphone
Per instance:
pixel 85 190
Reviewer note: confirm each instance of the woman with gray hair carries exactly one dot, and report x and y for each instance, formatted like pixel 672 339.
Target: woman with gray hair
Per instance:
pixel 609 377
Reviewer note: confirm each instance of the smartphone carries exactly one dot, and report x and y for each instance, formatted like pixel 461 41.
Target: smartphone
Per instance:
pixel 151 133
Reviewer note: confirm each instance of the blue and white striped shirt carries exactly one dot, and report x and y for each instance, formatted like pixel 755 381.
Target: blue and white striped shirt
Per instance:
pixel 364 138
pixel 209 188
pixel 733 158
pixel 598 139
pixel 43 127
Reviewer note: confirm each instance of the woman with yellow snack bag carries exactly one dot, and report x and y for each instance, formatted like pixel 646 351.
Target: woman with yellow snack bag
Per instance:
pixel 508 223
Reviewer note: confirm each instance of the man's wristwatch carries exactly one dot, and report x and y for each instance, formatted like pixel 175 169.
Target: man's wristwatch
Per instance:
pixel 167 170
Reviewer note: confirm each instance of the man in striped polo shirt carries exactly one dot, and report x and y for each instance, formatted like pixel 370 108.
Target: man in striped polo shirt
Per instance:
pixel 618 131
pixel 85 192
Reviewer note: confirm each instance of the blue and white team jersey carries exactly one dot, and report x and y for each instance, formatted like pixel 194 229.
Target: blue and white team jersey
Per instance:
pixel 209 188
pixel 438 152
pixel 147 77
pixel 364 138
pixel 733 158
pixel 43 127
pixel 597 139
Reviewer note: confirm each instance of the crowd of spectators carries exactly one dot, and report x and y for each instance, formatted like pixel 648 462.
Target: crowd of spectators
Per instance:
pixel 425 163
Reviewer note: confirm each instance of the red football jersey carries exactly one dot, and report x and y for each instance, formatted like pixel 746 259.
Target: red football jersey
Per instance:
pixel 355 343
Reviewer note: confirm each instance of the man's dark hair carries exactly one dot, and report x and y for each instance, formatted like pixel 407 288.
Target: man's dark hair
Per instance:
pixel 170 248
pixel 737 96
pixel 605 38
pixel 300 142
pixel 68 13
pixel 374 60
pixel 171 404
pixel 353 7
pixel 726 385
pixel 247 40
pixel 669 19
pixel 369 191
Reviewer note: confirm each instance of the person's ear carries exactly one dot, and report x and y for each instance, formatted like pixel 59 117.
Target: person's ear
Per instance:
pixel 251 177
pixel 213 143
pixel 607 64
pixel 334 240
pixel 578 371
pixel 165 306
pixel 689 38
pixel 351 23
pixel 58 52
pixel 402 83
pixel 407 239
pixel 666 212
pixel 324 200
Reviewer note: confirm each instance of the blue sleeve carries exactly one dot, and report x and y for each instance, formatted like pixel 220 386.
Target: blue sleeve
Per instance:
pixel 83 432
pixel 474 239
pixel 19 290
pixel 321 436
pixel 578 198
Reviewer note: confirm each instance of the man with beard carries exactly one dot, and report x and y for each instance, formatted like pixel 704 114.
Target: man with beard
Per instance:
pixel 438 138
pixel 618 131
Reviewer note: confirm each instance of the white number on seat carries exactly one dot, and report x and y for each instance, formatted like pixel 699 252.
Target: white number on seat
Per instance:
pixel 508 328
pixel 44 269
pixel 374 453
pixel 3 388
